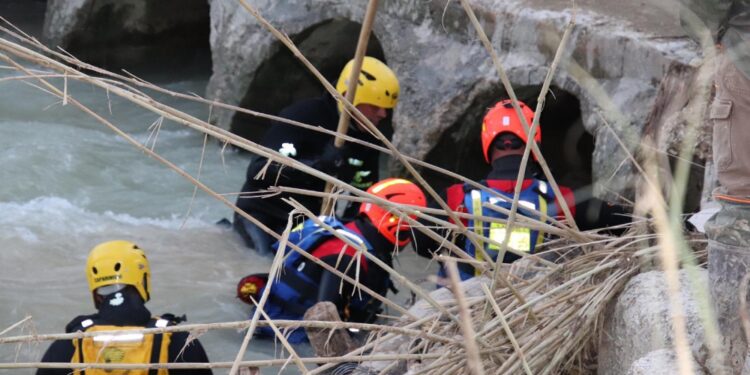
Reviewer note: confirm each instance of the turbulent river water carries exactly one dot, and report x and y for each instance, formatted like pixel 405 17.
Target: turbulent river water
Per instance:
pixel 67 183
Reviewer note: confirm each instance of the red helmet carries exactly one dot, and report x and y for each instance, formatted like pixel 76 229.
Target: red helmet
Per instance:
pixel 396 190
pixel 502 118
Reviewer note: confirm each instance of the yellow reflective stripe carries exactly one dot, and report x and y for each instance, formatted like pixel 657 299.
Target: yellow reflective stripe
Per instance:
pixel 543 210
pixel 384 185
pixel 476 208
pixel 520 237
pixel 76 355
pixel 164 352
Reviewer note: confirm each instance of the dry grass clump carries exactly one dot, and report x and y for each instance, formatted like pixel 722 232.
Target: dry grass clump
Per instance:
pixel 555 331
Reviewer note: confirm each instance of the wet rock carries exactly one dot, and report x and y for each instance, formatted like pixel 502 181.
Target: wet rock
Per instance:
pixel 400 344
pixel 662 361
pixel 132 34
pixel 640 322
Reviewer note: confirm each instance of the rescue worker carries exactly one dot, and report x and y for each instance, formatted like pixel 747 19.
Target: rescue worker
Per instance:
pixel 303 283
pixel 728 22
pixel 377 93
pixel 503 143
pixel 119 277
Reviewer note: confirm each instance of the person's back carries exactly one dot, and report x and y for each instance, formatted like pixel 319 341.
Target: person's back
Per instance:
pixel 503 143
pixel 119 278
pixel 303 283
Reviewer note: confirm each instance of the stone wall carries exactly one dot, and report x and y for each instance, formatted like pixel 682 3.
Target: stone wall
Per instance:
pixel 612 66
pixel 614 70
pixel 137 35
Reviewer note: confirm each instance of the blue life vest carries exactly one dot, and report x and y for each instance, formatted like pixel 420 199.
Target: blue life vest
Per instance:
pixel 296 291
pixel 537 196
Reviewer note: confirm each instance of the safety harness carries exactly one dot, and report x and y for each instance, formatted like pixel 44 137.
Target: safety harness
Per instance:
pixel 122 347
pixel 297 289
pixel 535 196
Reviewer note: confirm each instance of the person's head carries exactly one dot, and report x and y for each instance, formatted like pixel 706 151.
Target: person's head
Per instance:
pixel 502 131
pixel 377 89
pixel 114 265
pixel 389 225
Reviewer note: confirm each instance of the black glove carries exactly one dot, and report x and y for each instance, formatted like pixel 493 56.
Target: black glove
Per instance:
pixel 334 157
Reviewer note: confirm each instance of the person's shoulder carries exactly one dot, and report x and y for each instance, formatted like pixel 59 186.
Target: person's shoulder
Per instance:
pixel 77 323
pixel 310 108
pixel 317 105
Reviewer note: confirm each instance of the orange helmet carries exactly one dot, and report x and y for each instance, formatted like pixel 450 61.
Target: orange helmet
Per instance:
pixel 396 190
pixel 501 119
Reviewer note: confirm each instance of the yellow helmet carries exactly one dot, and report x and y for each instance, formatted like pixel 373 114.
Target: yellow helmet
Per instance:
pixel 119 262
pixel 378 84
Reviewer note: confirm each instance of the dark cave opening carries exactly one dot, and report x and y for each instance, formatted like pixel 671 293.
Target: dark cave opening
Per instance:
pixel 149 40
pixel 282 79
pixel 566 145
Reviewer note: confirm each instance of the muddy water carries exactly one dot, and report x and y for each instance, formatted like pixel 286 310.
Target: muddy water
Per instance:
pixel 68 183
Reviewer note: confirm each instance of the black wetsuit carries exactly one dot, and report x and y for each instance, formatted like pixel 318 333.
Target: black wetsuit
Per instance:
pixel 127 310
pixel 308 147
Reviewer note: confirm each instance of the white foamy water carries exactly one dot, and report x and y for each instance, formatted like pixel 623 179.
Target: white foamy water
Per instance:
pixel 68 183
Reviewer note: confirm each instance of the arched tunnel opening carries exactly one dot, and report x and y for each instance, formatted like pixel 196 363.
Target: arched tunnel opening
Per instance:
pixel 282 79
pixel 566 145
pixel 149 39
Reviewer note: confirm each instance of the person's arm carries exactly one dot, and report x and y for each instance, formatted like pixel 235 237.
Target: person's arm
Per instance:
pixel 595 213
pixel 193 352
pixel 59 351
pixel 425 245
pixel 311 148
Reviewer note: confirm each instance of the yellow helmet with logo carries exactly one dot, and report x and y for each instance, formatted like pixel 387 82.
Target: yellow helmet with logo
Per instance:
pixel 119 262
pixel 378 84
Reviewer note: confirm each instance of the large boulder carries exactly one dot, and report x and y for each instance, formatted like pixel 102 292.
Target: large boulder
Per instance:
pixel 640 322
pixel 401 344
pixel 445 72
pixel 662 361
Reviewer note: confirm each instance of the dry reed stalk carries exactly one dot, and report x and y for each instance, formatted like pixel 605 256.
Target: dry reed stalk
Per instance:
pixel 560 311
pixel 272 276
pixel 213 365
pixel 395 274
pixel 351 89
pixel 280 336
pixel 175 115
pixel 470 344
pixel 394 330
pixel 525 158
pixel 514 100
pixel 553 227
pixel 670 263
pixel 229 204
pixel 284 39
pixel 13 326
pixel 141 83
